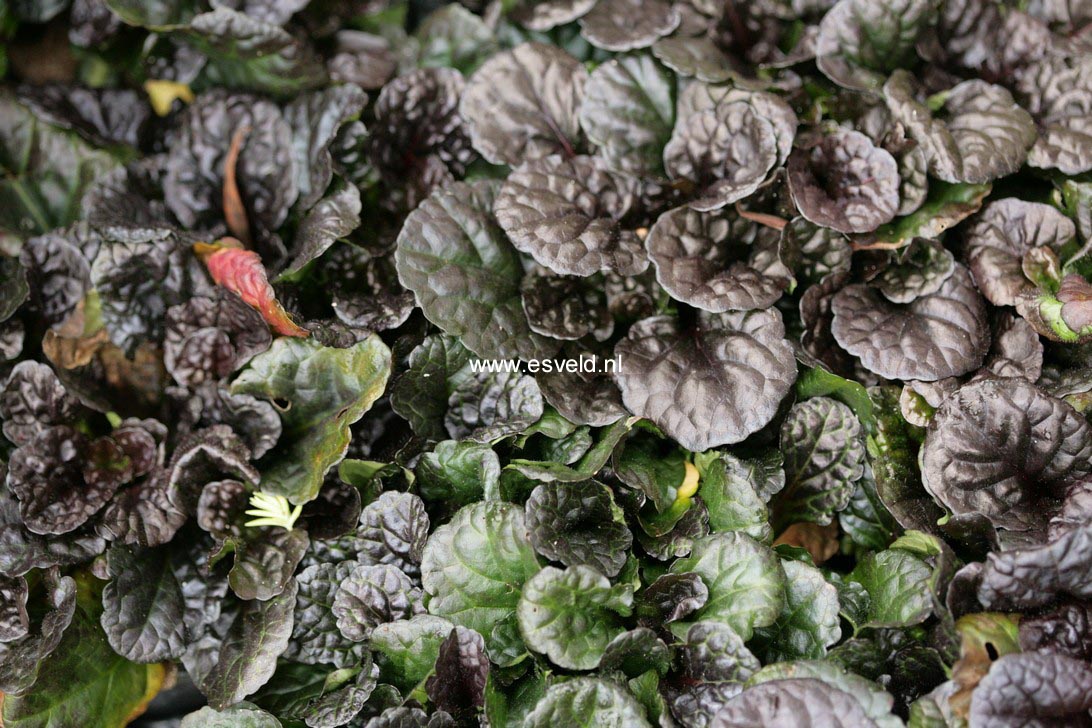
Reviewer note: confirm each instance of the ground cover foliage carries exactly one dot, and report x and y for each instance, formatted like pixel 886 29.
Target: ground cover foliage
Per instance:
pixel 251 251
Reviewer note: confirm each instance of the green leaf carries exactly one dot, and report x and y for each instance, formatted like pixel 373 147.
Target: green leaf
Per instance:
pixel 316 419
pixel 897 583
pixel 824 457
pixel 474 567
pixel 406 649
pixel 458 472
pixel 745 580
pixel 84 682
pixel 946 205
pixel 507 705
pixel 588 465
pixel 652 465
pixel 43 172
pixel 436 367
pixel 587 701
pixel 808 623
pixel 818 382
pixel 572 615
pixel 728 491
pixel 893 454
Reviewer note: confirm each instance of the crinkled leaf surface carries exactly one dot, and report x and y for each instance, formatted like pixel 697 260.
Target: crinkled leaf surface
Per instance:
pixel 920 269
pixel 876 702
pixel 45 171
pixel 406 649
pixel 981 133
pixel 802 701
pixel 844 182
pixel 998 238
pixel 435 368
pixel 142 605
pixel 940 335
pixel 725 153
pixel 248 53
pixel 258 634
pixel 1009 695
pixel 475 565
pixel 732 491
pixel 458 685
pixel 703 259
pixel 578 524
pixel 745 580
pixel 371 595
pixel 897 583
pixel 567 214
pixel 1033 577
pixel 1006 450
pixel 571 615
pixel 266 168
pixel 824 456
pixel 808 623
pixel 418 142
pixel 488 405
pixel 587 701
pixel 315 636
pixel 566 307
pixel 458 471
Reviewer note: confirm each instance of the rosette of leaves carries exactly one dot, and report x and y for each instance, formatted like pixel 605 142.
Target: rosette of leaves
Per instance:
pixel 860 42
pixel 417 142
pixel 975 462
pixel 714 261
pixel 208 338
pixel 265 168
pixel 999 238
pixel 979 134
pixel 844 182
pixel 570 214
